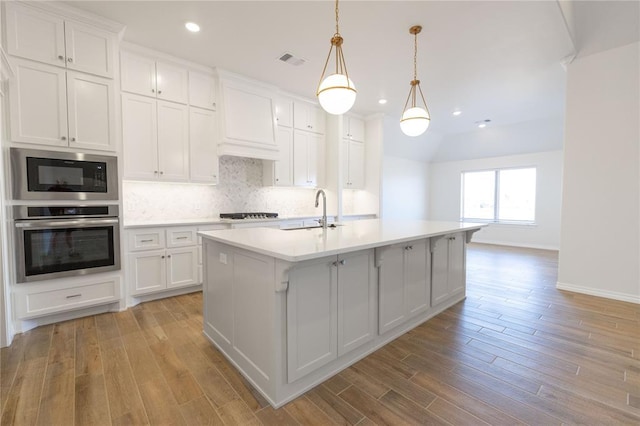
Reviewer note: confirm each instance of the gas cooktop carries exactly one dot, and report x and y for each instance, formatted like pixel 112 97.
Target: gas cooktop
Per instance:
pixel 258 215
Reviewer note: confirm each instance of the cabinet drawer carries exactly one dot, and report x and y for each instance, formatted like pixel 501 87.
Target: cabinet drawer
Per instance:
pixel 181 237
pixel 34 304
pixel 146 239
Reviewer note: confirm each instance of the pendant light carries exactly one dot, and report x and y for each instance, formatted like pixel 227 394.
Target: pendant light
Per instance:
pixel 336 93
pixel 415 119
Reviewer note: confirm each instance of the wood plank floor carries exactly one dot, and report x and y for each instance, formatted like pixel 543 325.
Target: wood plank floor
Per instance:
pixel 516 351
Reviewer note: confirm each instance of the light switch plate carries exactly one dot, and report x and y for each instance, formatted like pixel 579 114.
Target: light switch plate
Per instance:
pixel 223 258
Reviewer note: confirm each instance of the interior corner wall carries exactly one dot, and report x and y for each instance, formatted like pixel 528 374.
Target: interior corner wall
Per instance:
pixel 445 198
pixel 600 229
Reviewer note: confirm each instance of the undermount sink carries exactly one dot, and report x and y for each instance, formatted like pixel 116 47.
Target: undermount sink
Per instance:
pixel 331 225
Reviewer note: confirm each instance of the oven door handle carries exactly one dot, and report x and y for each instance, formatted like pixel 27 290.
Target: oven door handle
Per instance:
pixel 44 224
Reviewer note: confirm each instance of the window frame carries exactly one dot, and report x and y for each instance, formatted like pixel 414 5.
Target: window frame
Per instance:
pixel 496 197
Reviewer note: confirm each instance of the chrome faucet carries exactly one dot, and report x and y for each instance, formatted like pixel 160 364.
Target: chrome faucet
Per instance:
pixel 322 221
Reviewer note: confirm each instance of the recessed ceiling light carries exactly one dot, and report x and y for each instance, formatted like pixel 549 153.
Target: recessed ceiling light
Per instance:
pixel 382 101
pixel 482 125
pixel 192 26
pixel 457 113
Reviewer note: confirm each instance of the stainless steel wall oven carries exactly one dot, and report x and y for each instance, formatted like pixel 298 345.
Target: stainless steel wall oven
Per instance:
pixel 61 241
pixel 52 175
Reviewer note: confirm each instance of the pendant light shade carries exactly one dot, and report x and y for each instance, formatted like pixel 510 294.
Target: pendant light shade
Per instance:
pixel 415 118
pixel 336 93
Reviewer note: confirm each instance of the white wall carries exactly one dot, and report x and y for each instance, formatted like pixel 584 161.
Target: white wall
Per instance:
pixel 445 198
pixel 600 238
pixel 405 189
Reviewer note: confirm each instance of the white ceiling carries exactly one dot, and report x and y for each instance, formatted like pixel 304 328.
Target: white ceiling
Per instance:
pixel 497 60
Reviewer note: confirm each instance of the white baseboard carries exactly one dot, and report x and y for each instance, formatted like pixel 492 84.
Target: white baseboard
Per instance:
pixel 514 244
pixel 624 297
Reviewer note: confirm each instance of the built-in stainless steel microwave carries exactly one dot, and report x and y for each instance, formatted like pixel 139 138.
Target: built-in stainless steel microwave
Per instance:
pixel 51 175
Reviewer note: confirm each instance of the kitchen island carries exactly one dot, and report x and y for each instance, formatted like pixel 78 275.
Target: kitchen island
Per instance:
pixel 291 308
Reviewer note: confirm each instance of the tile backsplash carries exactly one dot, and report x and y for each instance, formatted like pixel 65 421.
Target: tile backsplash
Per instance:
pixel 240 190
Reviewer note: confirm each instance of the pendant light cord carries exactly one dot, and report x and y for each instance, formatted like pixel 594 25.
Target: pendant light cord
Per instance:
pixel 337 28
pixel 415 55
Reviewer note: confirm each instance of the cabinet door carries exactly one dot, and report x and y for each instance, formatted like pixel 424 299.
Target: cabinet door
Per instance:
pixel 202 90
pixel 147 271
pixel 356 300
pixel 392 310
pixel 91 112
pixel 356 165
pixel 312 318
pixel 34 34
pixel 439 269
pixel 38 104
pixel 283 167
pixel 308 117
pixel 457 278
pixel 173 141
pixel 284 112
pixel 171 82
pixel 182 267
pixel 137 74
pixel 89 49
pixel 353 129
pixel 202 146
pixel 301 146
pixel 139 137
pixel 315 159
pixel 417 279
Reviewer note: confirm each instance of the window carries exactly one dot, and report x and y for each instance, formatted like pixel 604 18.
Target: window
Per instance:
pixel 502 195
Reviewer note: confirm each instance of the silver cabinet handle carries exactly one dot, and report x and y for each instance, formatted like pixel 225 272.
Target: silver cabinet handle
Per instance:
pixel 159 92
pixel 161 173
pixel 153 90
pixel 69 59
pixel 61 57
pixel 73 139
pixel 214 104
pixel 343 262
pixel 334 263
pixel 161 257
pixel 155 172
pixel 169 256
pixel 71 296
pixel 64 223
pixel 64 138
pixel 181 238
pixel 146 241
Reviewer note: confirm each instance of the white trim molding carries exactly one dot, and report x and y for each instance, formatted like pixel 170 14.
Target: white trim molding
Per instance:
pixel 624 297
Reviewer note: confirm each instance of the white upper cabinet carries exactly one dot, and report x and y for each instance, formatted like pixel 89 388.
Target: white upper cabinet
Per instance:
pixel 353 129
pixel 308 158
pixel 202 90
pixel 155 138
pixel 48 38
pixel 202 146
pixel 309 117
pixel 50 106
pixel 148 77
pixel 284 111
pixel 352 160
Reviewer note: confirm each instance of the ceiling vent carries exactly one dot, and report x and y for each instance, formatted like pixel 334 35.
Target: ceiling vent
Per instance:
pixel 291 59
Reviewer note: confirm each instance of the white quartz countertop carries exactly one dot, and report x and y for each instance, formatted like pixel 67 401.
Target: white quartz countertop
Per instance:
pixel 311 243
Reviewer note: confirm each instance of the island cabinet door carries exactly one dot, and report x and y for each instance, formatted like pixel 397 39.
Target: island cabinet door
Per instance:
pixel 356 300
pixel 392 310
pixel 448 267
pixel 312 318
pixel 417 279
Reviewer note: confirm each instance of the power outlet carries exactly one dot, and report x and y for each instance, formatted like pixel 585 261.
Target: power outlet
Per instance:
pixel 223 258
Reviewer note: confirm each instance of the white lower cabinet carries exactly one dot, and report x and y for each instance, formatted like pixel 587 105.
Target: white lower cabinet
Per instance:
pixel 404 282
pixel 448 267
pixel 160 259
pixel 67 294
pixel 331 306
